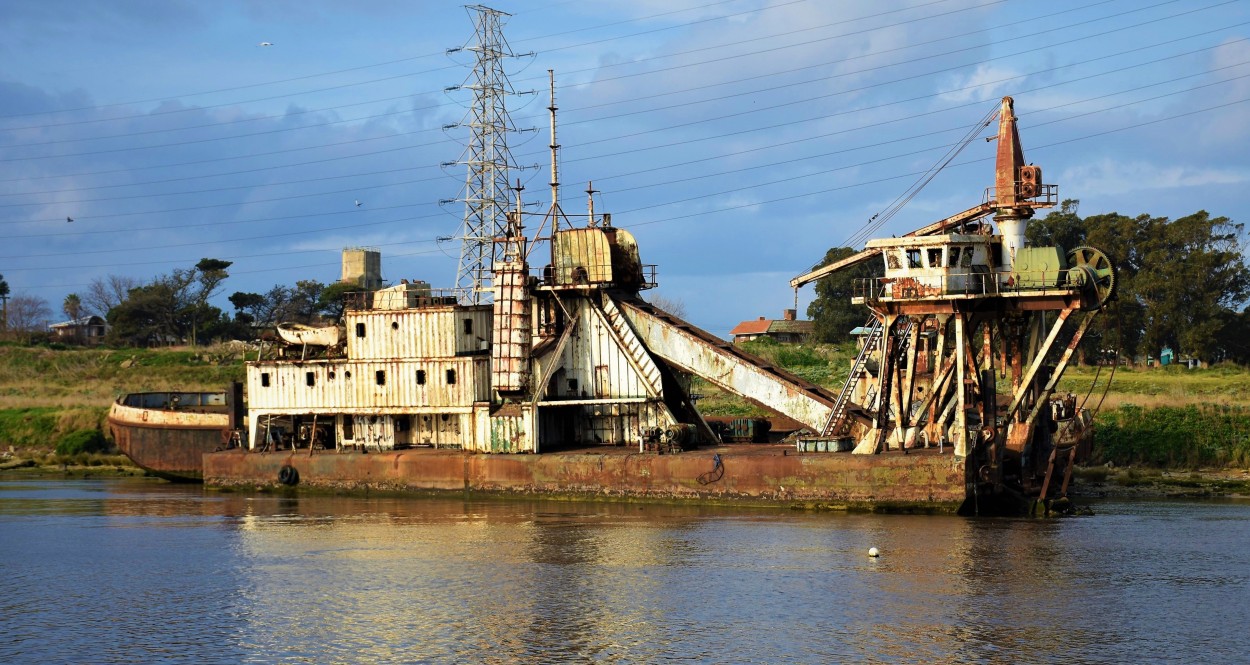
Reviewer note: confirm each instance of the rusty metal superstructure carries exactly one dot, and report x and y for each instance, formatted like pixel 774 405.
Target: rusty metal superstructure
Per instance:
pixel 971 329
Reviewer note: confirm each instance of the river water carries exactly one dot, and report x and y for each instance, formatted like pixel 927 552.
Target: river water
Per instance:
pixel 141 571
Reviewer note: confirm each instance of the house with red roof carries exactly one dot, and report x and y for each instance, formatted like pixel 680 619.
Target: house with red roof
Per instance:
pixel 788 329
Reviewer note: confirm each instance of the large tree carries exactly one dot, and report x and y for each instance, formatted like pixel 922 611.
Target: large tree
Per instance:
pixel 105 293
pixel 27 315
pixel 148 316
pixel 333 299
pixel 1180 283
pixel 832 312
pixel 207 277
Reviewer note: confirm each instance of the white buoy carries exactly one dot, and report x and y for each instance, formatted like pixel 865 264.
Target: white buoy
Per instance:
pixel 872 552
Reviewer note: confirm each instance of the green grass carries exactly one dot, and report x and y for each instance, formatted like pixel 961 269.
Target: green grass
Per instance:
pixel 1174 436
pixel 47 393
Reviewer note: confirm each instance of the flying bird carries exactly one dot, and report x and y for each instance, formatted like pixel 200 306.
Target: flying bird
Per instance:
pixel 69 219
pixel 265 44
pixel 357 203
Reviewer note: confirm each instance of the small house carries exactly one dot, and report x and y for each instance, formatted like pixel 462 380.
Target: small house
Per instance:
pixel 83 330
pixel 787 330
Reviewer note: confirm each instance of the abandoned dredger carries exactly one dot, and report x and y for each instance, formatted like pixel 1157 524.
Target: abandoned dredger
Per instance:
pixel 570 362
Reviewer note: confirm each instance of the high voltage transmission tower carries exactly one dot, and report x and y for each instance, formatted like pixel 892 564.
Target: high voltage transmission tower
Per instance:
pixel 487 158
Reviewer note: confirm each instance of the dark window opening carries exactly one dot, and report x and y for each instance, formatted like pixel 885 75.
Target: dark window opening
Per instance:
pixel 420 377
pixel 380 376
pixel 952 260
pixel 264 379
pixel 468 326
pixel 935 258
pixel 913 258
pixel 347 428
pixel 310 378
pixel 347 374
pixel 394 325
pixel 451 376
pixel 572 386
pixel 330 375
pixel 360 330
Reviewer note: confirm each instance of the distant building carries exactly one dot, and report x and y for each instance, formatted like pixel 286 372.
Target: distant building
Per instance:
pixel 787 329
pixel 83 330
pixel 362 266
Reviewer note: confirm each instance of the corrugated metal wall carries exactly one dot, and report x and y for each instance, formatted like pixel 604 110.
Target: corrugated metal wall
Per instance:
pixel 600 368
pixel 331 386
pixel 423 333
pixel 510 350
pixel 582 256
pixel 508 430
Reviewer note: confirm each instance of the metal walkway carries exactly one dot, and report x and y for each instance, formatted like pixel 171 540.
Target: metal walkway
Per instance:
pixel 701 353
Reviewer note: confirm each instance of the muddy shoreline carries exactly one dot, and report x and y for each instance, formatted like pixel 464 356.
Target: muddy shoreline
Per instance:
pixel 1148 483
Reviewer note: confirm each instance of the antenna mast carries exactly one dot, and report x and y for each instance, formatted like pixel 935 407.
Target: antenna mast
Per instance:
pixel 555 178
pixel 486 192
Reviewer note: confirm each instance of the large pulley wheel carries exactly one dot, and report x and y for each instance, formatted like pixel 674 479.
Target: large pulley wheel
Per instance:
pixel 1092 271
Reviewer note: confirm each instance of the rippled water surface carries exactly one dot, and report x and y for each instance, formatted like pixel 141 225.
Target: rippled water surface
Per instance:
pixel 140 571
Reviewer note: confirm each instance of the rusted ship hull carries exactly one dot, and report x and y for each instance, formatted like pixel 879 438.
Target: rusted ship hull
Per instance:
pixel 742 474
pixel 168 433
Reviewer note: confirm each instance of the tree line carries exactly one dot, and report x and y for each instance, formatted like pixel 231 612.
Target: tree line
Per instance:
pixel 175 308
pixel 1180 283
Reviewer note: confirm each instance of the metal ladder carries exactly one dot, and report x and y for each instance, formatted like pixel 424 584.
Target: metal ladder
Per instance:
pixel 631 345
pixel 837 418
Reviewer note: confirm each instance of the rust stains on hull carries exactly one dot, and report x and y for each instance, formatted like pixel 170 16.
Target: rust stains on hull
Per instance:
pixel 173 453
pixel 770 473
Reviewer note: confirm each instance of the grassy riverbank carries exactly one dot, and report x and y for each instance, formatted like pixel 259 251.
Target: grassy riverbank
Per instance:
pixel 49 393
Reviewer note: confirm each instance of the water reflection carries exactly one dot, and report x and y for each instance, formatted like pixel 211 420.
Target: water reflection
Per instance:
pixel 144 572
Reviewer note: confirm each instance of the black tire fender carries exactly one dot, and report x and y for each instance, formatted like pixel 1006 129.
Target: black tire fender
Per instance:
pixel 288 475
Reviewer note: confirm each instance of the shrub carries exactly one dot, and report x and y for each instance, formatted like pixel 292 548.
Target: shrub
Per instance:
pixel 82 441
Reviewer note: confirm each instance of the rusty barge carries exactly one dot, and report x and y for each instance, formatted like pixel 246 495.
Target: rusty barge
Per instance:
pixel 568 382
pixel 168 433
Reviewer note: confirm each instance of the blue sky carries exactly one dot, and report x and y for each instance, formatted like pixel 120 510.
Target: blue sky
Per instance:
pixel 738 140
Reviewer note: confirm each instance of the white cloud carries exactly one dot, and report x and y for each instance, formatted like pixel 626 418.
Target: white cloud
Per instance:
pixel 1110 177
pixel 984 82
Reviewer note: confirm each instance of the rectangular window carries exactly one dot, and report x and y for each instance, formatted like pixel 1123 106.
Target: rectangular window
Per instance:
pixel 420 377
pixel 310 378
pixel 360 330
pixel 264 379
pixel 935 258
pixel 913 258
pixel 380 376
pixel 572 386
pixel 468 326
pixel 451 377
pixel 347 428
